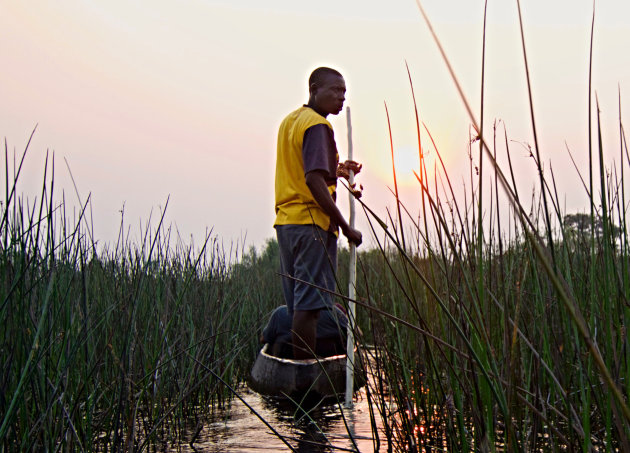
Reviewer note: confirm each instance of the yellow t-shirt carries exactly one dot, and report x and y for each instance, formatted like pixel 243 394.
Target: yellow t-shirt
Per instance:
pixel 295 204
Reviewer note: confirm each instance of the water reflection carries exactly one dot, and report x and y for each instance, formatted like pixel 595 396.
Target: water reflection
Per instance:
pixel 322 427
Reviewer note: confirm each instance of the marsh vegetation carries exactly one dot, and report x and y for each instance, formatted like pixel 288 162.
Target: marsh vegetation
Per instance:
pixel 484 336
pixel 110 348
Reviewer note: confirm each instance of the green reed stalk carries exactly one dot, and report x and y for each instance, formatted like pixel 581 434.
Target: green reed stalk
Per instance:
pixel 536 147
pixel 422 166
pixel 486 394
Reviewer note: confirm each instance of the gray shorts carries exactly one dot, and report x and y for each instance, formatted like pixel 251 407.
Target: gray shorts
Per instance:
pixel 309 254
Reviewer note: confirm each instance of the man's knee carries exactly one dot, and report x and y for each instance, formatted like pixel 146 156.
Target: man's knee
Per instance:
pixel 304 333
pixel 305 316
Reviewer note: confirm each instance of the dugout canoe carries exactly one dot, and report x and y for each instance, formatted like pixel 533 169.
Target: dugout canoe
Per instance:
pixel 288 378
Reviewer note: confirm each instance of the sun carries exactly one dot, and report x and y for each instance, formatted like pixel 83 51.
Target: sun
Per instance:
pixel 406 161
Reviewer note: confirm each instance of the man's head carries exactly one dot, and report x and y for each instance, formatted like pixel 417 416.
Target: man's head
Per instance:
pixel 327 90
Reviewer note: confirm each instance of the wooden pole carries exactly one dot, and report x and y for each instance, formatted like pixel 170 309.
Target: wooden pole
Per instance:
pixel 352 282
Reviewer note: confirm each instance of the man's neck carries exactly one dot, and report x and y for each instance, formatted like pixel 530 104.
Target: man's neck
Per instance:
pixel 314 108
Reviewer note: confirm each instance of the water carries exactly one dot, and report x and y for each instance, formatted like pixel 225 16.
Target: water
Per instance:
pixel 322 429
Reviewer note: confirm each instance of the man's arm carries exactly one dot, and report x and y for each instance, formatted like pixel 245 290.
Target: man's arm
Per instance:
pixel 317 185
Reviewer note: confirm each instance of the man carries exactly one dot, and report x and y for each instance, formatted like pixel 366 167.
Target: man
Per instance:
pixel 307 218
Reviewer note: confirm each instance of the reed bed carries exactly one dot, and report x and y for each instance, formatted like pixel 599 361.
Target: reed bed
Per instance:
pixel 118 347
pixel 474 346
pixel 500 323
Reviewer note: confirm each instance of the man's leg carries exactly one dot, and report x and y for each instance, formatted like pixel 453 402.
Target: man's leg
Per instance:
pixel 304 332
pixel 314 256
pixel 285 248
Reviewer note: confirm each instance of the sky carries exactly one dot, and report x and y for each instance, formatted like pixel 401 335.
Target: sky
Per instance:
pixel 144 102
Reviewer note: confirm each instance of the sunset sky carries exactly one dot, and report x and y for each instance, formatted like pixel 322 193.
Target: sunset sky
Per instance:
pixel 147 100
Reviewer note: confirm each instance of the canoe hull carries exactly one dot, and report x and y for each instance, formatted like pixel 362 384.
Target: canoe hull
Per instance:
pixel 325 377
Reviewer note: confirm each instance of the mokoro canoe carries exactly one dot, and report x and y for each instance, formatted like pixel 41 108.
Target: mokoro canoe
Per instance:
pixel 288 378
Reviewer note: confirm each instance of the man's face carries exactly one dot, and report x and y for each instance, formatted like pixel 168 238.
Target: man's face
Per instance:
pixel 330 95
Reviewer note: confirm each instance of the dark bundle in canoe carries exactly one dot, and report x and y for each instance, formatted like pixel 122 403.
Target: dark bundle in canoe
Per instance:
pixel 323 377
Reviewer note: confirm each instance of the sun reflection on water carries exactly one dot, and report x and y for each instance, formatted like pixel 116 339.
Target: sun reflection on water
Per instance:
pixel 320 430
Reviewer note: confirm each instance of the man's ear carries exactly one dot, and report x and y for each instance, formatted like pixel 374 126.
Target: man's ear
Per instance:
pixel 312 88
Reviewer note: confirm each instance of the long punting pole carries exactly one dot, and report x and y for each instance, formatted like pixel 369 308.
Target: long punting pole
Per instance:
pixel 352 282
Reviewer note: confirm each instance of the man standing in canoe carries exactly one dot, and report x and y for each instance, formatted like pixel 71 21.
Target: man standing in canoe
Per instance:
pixel 307 218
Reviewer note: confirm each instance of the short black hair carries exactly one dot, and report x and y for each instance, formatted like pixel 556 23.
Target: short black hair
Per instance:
pixel 319 74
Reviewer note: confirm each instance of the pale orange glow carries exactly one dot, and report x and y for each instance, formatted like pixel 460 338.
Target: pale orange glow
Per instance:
pixel 168 98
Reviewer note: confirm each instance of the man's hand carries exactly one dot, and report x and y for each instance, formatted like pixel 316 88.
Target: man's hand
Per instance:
pixel 317 185
pixel 344 168
pixel 353 235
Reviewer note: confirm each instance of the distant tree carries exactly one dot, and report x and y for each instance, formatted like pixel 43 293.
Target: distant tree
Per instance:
pixel 580 224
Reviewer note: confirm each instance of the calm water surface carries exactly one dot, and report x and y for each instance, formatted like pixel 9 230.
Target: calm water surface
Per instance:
pixel 322 430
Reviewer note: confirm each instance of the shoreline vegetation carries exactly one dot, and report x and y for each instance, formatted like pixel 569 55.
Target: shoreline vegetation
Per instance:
pixel 108 349
pixel 498 324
